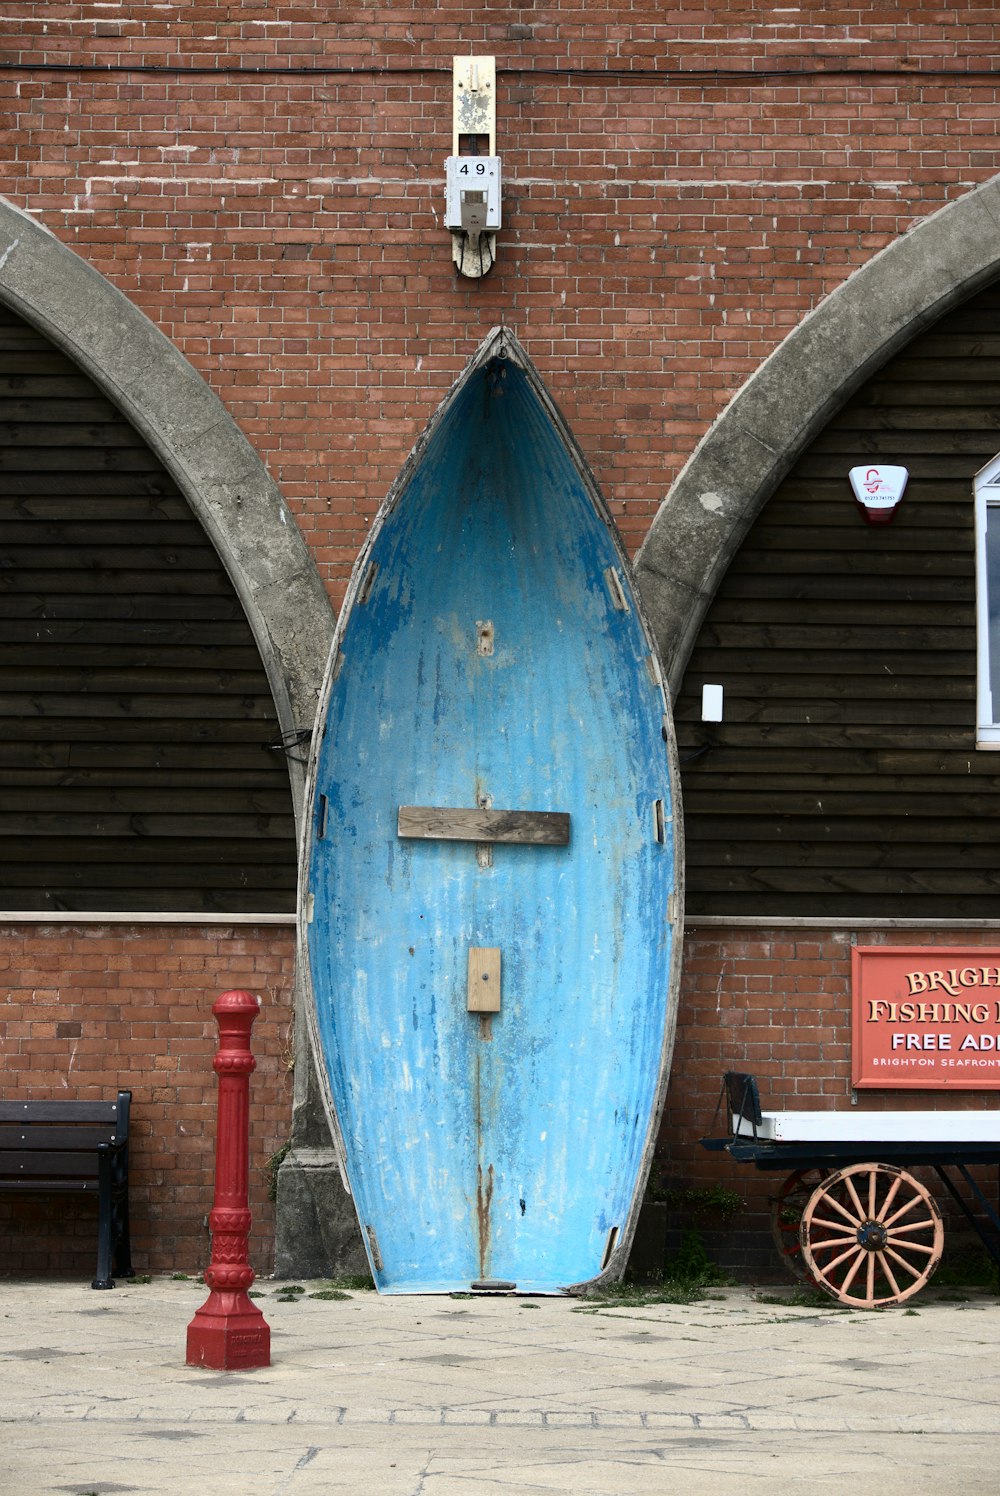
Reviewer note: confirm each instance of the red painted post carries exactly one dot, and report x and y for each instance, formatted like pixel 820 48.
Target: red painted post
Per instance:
pixel 229 1333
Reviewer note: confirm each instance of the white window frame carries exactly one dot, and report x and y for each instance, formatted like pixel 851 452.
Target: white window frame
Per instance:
pixel 987 497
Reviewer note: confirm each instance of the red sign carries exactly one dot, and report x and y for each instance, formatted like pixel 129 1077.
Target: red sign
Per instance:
pixel 926 1017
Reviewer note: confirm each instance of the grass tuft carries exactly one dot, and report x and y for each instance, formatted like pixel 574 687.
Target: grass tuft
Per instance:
pixel 803 1298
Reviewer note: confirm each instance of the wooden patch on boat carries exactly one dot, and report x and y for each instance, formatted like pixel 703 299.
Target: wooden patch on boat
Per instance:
pixel 483 991
pixel 440 823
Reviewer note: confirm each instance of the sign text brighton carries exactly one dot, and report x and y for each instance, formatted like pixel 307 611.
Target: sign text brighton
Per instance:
pixel 924 1017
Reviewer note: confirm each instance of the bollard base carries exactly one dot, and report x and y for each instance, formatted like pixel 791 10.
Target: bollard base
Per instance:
pixel 229 1333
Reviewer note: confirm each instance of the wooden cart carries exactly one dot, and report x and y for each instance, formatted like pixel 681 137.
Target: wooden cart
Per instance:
pixel 849 1216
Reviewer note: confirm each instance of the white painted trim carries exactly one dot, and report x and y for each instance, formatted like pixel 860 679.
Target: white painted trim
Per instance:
pixel 830 922
pixel 987 497
pixel 874 1127
pixel 118 917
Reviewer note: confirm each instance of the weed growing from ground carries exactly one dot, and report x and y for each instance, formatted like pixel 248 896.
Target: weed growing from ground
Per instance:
pixel 803 1298
pixel 342 1287
pixel 687 1277
pixel 289 1293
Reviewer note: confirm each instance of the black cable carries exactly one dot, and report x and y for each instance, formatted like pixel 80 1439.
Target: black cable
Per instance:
pixel 183 70
pixel 637 76
pixel 296 737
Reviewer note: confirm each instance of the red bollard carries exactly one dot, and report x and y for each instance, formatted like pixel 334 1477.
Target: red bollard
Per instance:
pixel 229 1333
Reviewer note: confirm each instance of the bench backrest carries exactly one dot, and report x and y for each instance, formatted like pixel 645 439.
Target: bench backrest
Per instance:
pixel 60 1138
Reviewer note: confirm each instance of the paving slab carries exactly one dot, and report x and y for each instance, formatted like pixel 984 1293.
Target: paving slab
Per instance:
pixel 435 1396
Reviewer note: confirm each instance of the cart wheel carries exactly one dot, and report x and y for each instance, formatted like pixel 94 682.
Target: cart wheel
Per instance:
pixel 871 1235
pixel 786 1216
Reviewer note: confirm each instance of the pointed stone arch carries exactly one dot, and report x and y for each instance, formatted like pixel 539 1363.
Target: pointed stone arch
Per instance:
pixel 739 462
pixel 225 482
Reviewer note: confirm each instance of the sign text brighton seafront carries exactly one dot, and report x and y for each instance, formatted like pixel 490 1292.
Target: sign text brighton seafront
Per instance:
pixel 926 1017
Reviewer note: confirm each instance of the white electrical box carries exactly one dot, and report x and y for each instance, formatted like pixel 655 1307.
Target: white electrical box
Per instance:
pixel 711 703
pixel 472 193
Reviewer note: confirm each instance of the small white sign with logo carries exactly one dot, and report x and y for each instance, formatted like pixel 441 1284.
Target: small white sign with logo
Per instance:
pixel 878 489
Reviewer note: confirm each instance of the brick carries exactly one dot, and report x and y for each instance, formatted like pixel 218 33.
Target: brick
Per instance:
pixel 662 237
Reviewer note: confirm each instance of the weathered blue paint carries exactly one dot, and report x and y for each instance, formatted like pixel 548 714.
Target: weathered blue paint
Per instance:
pixel 506 1147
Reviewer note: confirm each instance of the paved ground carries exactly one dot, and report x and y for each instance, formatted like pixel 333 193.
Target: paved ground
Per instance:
pixel 474 1397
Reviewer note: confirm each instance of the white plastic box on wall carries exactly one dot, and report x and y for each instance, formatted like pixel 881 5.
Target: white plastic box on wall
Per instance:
pixel 472 193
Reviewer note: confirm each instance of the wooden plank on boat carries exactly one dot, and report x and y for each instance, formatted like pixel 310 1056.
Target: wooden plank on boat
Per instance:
pixel 484 979
pixel 442 823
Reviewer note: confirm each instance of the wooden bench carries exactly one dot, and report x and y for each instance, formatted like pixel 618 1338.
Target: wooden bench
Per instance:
pixel 61 1147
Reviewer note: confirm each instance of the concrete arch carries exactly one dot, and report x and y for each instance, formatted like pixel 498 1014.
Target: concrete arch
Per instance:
pixel 199 443
pixel 699 527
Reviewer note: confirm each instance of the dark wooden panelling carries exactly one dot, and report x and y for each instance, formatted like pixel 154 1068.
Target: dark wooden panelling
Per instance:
pixel 136 771
pixel 844 780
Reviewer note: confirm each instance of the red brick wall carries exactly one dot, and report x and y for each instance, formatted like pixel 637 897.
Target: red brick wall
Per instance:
pixel 88 1009
pixel 660 236
pixel 776 1002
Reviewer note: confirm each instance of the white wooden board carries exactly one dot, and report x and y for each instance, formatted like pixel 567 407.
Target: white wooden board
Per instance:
pixel 875 1127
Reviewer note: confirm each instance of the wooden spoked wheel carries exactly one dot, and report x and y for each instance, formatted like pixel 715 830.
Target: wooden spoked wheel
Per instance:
pixel 871 1235
pixel 786 1217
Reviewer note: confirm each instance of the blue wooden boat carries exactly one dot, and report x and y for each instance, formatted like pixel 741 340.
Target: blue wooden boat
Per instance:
pixel 491 866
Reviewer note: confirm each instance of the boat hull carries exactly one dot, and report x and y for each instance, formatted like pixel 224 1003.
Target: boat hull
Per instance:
pixel 493 657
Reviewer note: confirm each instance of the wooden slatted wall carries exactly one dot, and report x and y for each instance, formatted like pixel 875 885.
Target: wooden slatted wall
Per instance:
pixel 844 778
pixel 134 710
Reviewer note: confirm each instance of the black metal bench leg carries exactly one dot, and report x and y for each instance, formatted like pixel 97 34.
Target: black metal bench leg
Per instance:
pixel 104 1218
pixel 121 1241
pixel 122 1245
